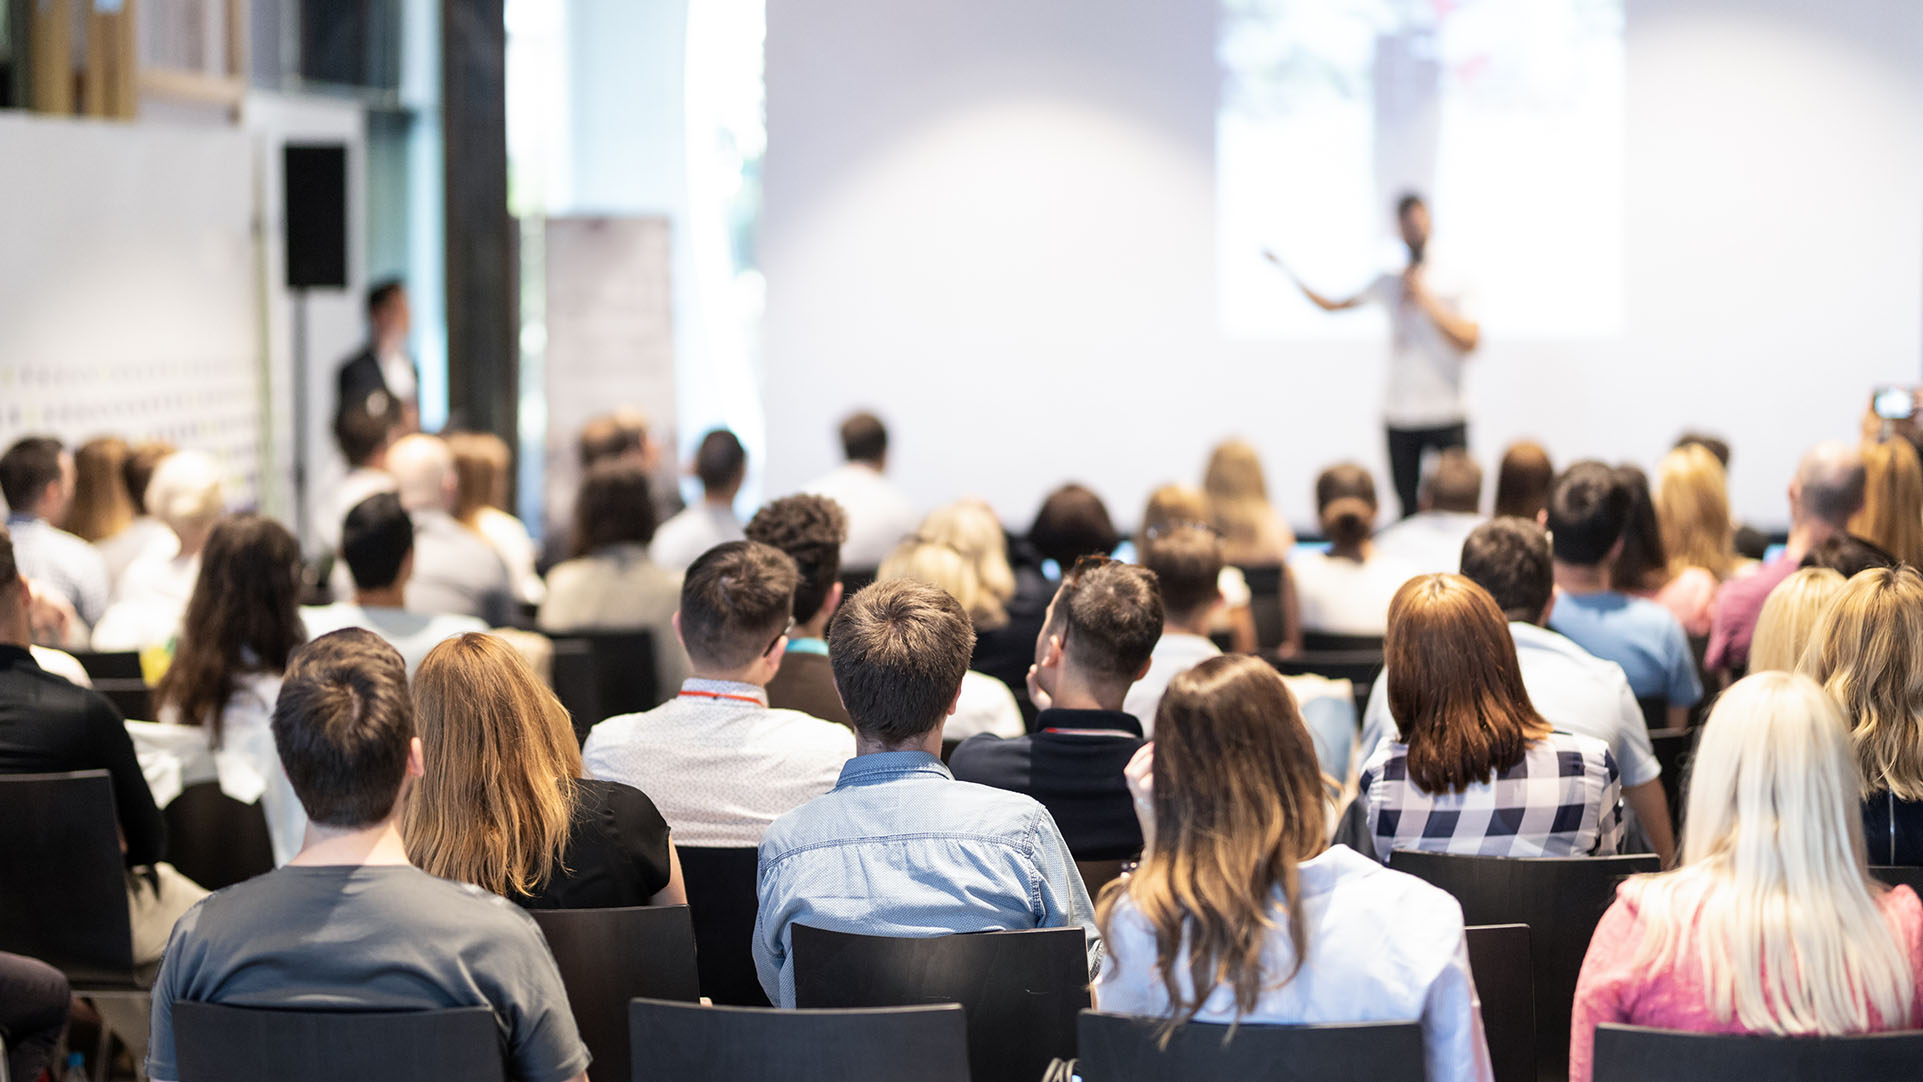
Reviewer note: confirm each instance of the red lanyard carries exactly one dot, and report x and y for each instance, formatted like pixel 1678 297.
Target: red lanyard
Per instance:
pixel 720 695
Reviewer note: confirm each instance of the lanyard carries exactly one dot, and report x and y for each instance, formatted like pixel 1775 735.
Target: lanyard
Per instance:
pixel 720 695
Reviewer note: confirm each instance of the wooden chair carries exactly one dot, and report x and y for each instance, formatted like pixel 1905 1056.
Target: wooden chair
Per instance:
pixel 723 902
pixel 215 840
pixel 694 1043
pixel 1021 989
pixel 1124 1048
pixel 1638 1054
pixel 240 1044
pixel 610 956
pixel 1499 959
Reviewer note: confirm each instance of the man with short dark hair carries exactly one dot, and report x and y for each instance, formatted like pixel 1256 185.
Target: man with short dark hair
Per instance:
pixel 377 545
pixel 381 375
pixel 721 465
pixel 810 529
pixel 349 924
pixel 1098 640
pixel 879 516
pixel 1587 514
pixel 1573 690
pixel 718 762
pixel 900 848
pixel 37 479
pixel 1430 541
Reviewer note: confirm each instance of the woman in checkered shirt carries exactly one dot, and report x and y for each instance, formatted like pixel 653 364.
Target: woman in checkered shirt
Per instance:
pixel 1476 769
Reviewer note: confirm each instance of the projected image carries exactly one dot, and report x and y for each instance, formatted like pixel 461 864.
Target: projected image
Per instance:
pixel 1506 115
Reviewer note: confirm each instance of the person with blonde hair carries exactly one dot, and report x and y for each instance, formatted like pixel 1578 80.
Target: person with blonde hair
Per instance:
pixel 1892 513
pixel 503 803
pixel 482 464
pixel 144 534
pixel 1242 913
pixel 187 494
pixel 1692 511
pixel 1772 923
pixel 1789 618
pixel 986 704
pixel 1253 535
pixel 1867 652
pixel 1009 608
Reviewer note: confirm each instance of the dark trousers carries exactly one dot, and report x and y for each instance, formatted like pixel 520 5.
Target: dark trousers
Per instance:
pixel 1406 446
pixel 33 1010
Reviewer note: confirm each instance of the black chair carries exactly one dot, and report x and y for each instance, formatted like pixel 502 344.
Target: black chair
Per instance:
pixel 1097 874
pixel 693 1043
pixel 111 665
pixel 1265 604
pixel 132 697
pixel 1897 875
pixel 1361 668
pixel 1021 990
pixel 1499 959
pixel 1638 1054
pixel 610 956
pixel 598 675
pixel 1125 1048
pixel 1655 712
pixel 1675 749
pixel 241 1044
pixel 215 840
pixel 1322 642
pixel 856 579
pixel 722 900
pixel 1561 899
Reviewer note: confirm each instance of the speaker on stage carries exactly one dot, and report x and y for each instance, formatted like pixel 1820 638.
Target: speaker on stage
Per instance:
pixel 314 182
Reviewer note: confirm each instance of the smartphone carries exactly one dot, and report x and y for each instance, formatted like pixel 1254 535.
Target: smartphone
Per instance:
pixel 1894 403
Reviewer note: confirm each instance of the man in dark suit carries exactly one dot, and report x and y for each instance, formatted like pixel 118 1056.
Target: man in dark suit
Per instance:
pixel 382 366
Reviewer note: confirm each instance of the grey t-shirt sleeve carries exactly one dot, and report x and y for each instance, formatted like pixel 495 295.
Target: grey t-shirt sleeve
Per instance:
pixel 161 1062
pixel 543 1044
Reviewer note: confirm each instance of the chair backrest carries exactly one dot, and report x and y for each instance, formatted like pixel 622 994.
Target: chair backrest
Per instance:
pixel 215 840
pixel 693 1043
pixel 1265 604
pixel 1361 667
pixel 63 887
pixel 1323 642
pixel 856 579
pixel 1900 875
pixel 1675 750
pixel 722 900
pixel 1021 989
pixel 1637 1054
pixel 1097 874
pixel 132 697
pixel 109 665
pixel 598 675
pixel 610 956
pixel 1499 960
pixel 213 1043
pixel 1655 711
pixel 1561 899
pixel 1124 1048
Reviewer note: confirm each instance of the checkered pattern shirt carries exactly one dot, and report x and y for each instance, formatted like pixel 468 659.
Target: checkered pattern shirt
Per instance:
pixel 1562 800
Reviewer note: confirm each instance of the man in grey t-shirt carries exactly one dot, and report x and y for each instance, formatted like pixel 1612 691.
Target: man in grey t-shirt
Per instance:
pixel 349 924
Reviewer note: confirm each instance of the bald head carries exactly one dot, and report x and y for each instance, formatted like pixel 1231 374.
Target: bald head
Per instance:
pixel 1829 485
pixel 423 470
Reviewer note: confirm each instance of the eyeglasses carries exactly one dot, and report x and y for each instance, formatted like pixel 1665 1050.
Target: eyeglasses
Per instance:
pixel 776 641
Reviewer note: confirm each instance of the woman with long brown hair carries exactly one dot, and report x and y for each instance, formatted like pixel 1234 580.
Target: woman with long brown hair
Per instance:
pixel 1646 568
pixel 503 804
pixel 1240 911
pixel 1474 768
pixel 482 463
pixel 101 506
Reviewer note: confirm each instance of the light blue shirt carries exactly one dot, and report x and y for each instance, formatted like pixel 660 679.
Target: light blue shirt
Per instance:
pixel 57 560
pixel 900 848
pixel 1637 634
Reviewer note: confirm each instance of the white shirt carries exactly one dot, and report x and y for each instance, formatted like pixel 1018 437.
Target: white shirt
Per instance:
pixel 1382 947
pixel 411 633
pixel 515 547
pixel 1429 542
pixel 682 539
pixel 149 603
pixel 61 663
pixel 879 516
pixel 144 536
pixel 1175 653
pixel 174 756
pixel 360 483
pixel 1424 388
pixel 1340 596
pixel 986 706
pixel 718 762
pixel 1572 689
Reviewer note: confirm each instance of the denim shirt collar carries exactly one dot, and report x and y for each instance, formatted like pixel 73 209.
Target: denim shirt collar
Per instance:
pixel 885 766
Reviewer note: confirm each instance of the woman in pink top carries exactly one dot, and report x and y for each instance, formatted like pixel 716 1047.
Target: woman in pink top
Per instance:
pixel 1772 923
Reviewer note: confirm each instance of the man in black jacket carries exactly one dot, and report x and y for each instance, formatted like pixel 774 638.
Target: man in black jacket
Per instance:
pixel 382 366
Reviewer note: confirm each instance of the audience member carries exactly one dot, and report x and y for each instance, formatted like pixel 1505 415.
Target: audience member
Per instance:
pixel 482 464
pixel 622 434
pixel 879 516
pixel 1238 887
pixel 1574 691
pixel 187 494
pixel 1006 622
pixel 899 847
pixel 1892 514
pixel 1692 512
pixel 1826 491
pixel 810 530
pixel 1789 618
pixel 243 624
pixel 503 803
pixel 1346 590
pixel 365 430
pixel 1430 540
pixel 1073 522
pixel 381 372
pixel 458 572
pixel 1750 543
pixel 611 584
pixel 717 760
pixel 1646 568
pixel 721 465
pixel 49 726
pixel 1100 634
pixel 1587 517
pixel 350 923
pixel 377 544
pixel 1772 924
pixel 101 507
pixel 1475 768
pixel 1186 560
pixel 34 1003
pixel 1173 506
pixel 37 479
pixel 1253 534
pixel 985 705
pixel 1847 556
pixel 1867 652
pixel 144 535
pixel 1522 480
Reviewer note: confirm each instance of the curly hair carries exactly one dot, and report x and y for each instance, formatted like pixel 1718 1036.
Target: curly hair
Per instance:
pixel 811 530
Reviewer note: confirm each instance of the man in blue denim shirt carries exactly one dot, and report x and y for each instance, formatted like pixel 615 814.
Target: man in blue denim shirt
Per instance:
pixel 899 847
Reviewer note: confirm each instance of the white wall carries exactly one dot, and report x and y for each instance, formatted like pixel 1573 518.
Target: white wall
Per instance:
pixel 993 222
